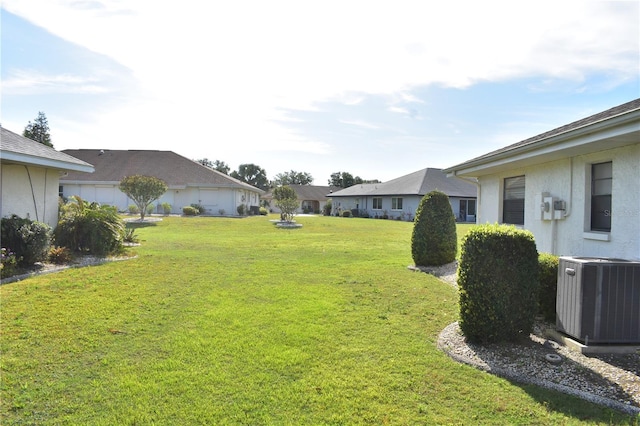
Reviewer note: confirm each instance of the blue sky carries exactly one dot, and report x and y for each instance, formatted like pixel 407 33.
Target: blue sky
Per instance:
pixel 377 89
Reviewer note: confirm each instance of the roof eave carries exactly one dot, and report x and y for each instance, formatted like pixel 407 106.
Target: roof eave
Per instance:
pixel 46 162
pixel 569 141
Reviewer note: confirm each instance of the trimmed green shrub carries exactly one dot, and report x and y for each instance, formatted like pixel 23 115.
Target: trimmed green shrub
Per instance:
pixel 133 209
pixel 89 228
pixel 166 208
pixel 29 240
pixel 498 281
pixel 434 240
pixel 189 211
pixel 548 264
pixel 263 211
pixel 346 213
pixel 326 209
pixel 199 208
pixel 241 209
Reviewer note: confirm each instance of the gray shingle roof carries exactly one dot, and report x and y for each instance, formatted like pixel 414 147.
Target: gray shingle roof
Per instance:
pixel 532 141
pixel 18 149
pixel 176 170
pixel 417 183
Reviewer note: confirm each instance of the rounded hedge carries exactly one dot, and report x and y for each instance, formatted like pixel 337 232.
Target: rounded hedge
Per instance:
pixel 548 264
pixel 434 240
pixel 498 283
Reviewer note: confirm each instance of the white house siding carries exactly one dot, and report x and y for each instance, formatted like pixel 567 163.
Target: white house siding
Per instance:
pixel 569 180
pixel 410 204
pixel 30 191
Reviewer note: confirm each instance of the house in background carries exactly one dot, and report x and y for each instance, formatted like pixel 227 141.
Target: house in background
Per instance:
pixel 312 198
pixel 577 187
pixel 399 198
pixel 30 176
pixel 189 182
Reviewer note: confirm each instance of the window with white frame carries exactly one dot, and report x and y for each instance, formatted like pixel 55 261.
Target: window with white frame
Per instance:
pixel 513 201
pixel 377 203
pixel 601 184
pixel 396 203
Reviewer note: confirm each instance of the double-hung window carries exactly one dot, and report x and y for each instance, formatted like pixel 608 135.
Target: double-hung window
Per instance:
pixel 601 184
pixel 513 201
pixel 396 203
pixel 377 203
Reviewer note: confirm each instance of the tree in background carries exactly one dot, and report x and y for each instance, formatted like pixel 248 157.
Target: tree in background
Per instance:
pixel 293 178
pixel 287 201
pixel 38 130
pixel 344 179
pixel 221 166
pixel 252 174
pixel 218 165
pixel 143 190
pixel 205 162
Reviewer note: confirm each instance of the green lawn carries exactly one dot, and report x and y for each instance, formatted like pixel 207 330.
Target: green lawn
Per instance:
pixel 234 321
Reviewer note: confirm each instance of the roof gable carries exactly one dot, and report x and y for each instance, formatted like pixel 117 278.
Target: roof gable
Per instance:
pixel 21 150
pixel 175 170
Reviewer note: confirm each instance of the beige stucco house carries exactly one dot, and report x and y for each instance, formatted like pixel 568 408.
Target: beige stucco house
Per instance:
pixel 189 182
pixel 30 177
pixel 577 187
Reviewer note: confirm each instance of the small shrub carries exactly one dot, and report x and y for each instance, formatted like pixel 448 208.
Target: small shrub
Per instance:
pixel 199 207
pixel 548 264
pixel 241 210
pixel 346 213
pixel 133 209
pixel 434 239
pixel 263 211
pixel 60 255
pixel 130 236
pixel 29 240
pixel 221 212
pixel 189 211
pixel 9 263
pixel 166 208
pixel 326 209
pixel 498 281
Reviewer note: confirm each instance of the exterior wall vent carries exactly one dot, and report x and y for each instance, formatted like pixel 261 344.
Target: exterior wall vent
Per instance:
pixel 598 300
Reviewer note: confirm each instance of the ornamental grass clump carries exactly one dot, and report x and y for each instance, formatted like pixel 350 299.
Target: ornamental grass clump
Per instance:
pixel 434 240
pixel 498 282
pixel 89 228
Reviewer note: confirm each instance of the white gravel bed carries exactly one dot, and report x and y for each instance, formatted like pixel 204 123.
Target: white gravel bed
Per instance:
pixel 611 380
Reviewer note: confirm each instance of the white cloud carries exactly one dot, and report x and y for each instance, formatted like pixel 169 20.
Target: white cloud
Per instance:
pixel 29 82
pixel 220 76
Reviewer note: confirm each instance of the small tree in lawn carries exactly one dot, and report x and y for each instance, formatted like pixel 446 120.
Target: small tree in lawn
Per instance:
pixel 143 190
pixel 286 201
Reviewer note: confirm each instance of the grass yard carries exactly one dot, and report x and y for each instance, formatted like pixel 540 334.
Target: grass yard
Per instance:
pixel 233 321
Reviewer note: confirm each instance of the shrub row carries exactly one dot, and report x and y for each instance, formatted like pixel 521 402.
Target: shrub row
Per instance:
pixel 83 227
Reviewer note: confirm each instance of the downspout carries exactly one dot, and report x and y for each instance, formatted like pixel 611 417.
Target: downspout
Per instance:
pixel 33 194
pixel 567 212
